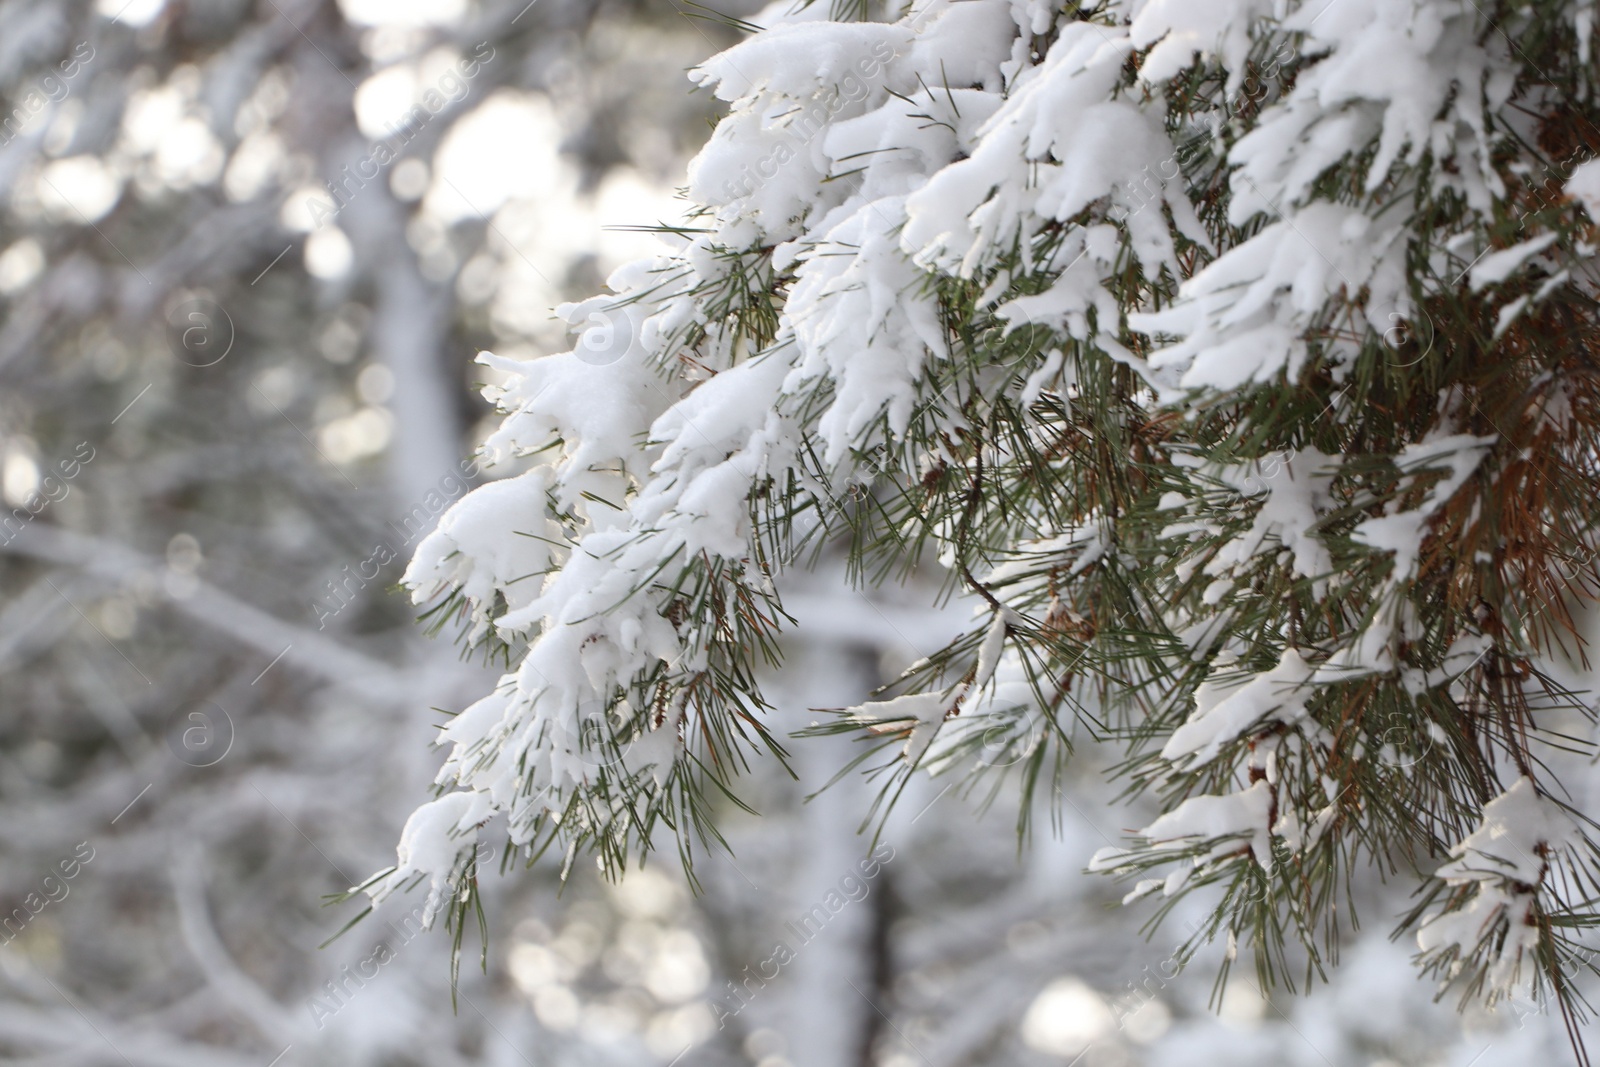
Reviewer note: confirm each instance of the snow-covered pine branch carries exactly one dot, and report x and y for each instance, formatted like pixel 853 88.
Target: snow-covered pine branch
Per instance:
pixel 1233 354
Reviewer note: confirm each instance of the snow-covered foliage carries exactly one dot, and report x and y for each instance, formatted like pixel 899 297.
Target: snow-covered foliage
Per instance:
pixel 1230 353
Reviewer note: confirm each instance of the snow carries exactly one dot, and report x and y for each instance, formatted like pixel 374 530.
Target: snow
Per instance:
pixel 1225 709
pixel 497 538
pixel 994 642
pixel 1506 859
pixel 1189 28
pixel 1496 267
pixel 436 843
pixel 1584 184
pixel 1082 146
pixel 1401 531
pixel 921 713
pixel 925 714
pixel 1216 820
pixel 1243 317
pixel 1213 817
pixel 1507 316
pixel 861 317
pixel 1293 493
pixel 801 59
pixel 1515 827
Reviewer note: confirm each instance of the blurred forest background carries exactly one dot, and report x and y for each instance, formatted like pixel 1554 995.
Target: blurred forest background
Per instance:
pixel 231 402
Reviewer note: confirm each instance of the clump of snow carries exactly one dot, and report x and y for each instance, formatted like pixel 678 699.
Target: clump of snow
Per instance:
pixel 1505 859
pixel 1584 184
pixel 496 539
pixel 1244 318
pixel 1222 821
pixel 923 714
pixel 436 844
pixel 1400 531
pixel 1224 710
pixel 1496 267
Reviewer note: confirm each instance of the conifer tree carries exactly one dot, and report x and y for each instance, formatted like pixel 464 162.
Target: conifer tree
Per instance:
pixel 1234 357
